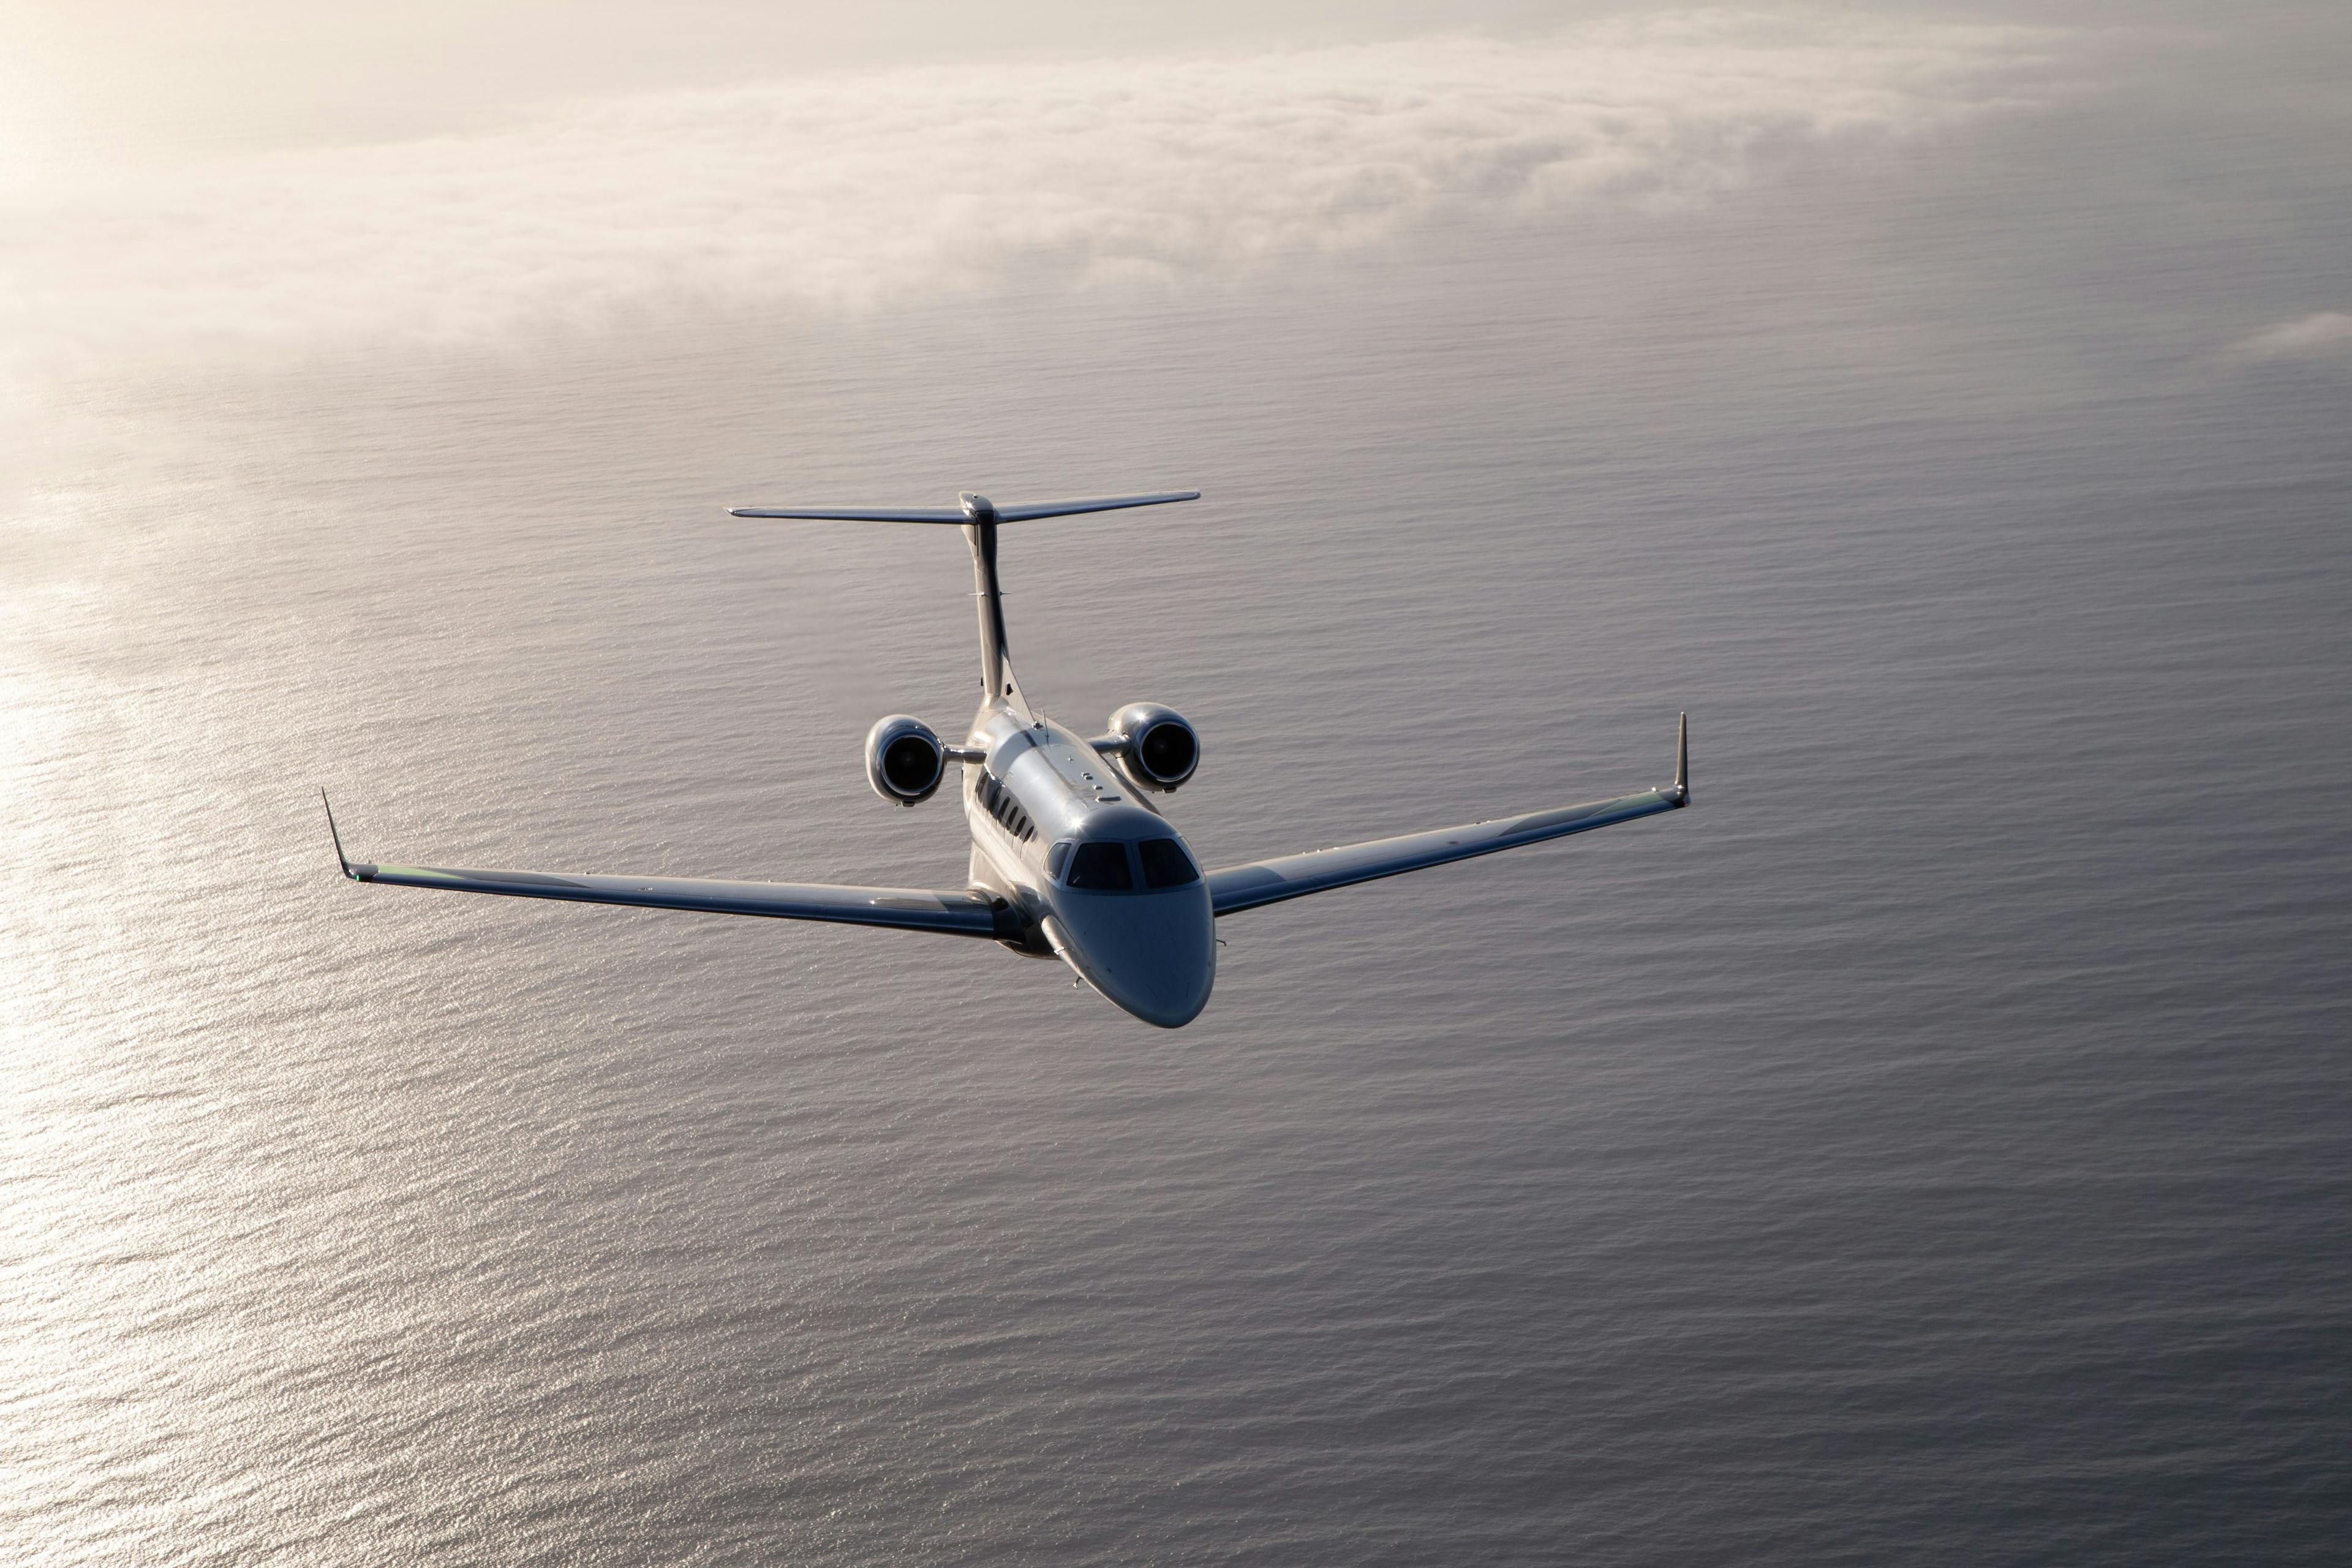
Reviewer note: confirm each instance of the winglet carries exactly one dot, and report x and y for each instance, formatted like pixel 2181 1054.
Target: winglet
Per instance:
pixel 1682 763
pixel 356 873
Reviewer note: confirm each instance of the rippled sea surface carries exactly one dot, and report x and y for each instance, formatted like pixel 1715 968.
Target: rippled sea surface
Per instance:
pixel 1932 1148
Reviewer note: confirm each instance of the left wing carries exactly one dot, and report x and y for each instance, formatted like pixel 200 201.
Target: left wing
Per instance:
pixel 1239 887
pixel 957 913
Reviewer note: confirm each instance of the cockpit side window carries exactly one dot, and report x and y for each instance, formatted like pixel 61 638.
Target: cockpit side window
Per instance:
pixel 1056 856
pixel 1165 864
pixel 1101 869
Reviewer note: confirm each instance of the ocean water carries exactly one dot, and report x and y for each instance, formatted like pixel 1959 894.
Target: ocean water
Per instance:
pixel 1931 1148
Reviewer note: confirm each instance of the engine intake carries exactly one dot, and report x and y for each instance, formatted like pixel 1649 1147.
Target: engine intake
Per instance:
pixel 1154 746
pixel 904 760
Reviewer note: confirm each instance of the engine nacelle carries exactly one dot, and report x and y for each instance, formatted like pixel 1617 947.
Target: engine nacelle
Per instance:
pixel 1156 749
pixel 904 760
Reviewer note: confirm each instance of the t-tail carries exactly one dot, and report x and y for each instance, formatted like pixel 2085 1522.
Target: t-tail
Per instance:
pixel 978 516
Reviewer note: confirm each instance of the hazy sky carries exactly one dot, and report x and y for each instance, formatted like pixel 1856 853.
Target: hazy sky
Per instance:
pixel 126 77
pixel 847 190
pixel 114 77
pixel 178 176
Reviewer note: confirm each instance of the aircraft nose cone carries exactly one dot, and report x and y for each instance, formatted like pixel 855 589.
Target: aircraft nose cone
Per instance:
pixel 1154 954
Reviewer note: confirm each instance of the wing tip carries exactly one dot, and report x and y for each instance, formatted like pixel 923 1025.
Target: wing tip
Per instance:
pixel 352 872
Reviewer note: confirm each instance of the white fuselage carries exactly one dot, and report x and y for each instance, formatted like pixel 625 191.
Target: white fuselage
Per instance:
pixel 1098 877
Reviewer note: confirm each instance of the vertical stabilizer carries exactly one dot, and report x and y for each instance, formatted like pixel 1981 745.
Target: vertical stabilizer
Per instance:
pixel 996 677
pixel 980 517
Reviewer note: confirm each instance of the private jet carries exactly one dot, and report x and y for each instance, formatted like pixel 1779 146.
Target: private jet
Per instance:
pixel 1072 857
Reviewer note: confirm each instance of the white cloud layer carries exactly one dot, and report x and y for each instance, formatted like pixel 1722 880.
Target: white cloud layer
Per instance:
pixel 849 191
pixel 2326 335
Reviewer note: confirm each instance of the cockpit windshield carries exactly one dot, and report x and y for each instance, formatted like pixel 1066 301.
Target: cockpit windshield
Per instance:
pixel 1104 868
pixel 1101 869
pixel 1165 864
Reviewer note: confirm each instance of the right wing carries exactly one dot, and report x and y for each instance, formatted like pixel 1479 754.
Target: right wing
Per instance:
pixel 1239 887
pixel 958 914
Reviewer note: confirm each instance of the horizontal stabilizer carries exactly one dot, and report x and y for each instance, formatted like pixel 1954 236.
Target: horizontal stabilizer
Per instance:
pixel 858 514
pixel 975 509
pixel 1102 503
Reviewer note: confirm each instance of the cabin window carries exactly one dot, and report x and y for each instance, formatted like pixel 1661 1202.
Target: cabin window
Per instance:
pixel 1101 869
pixel 1165 864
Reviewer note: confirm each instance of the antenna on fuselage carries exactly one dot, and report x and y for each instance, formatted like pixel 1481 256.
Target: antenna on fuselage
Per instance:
pixel 979 518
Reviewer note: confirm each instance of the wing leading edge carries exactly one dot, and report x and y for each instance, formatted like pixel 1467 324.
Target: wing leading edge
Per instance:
pixel 1239 887
pixel 959 914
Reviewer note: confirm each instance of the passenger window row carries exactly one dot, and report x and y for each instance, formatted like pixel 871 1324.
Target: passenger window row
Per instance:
pixel 1007 811
pixel 1105 869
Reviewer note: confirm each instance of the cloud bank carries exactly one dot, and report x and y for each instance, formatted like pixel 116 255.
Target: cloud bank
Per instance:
pixel 850 192
pixel 2326 335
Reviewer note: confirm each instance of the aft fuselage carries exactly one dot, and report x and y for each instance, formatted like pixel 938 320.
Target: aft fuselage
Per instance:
pixel 1091 871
